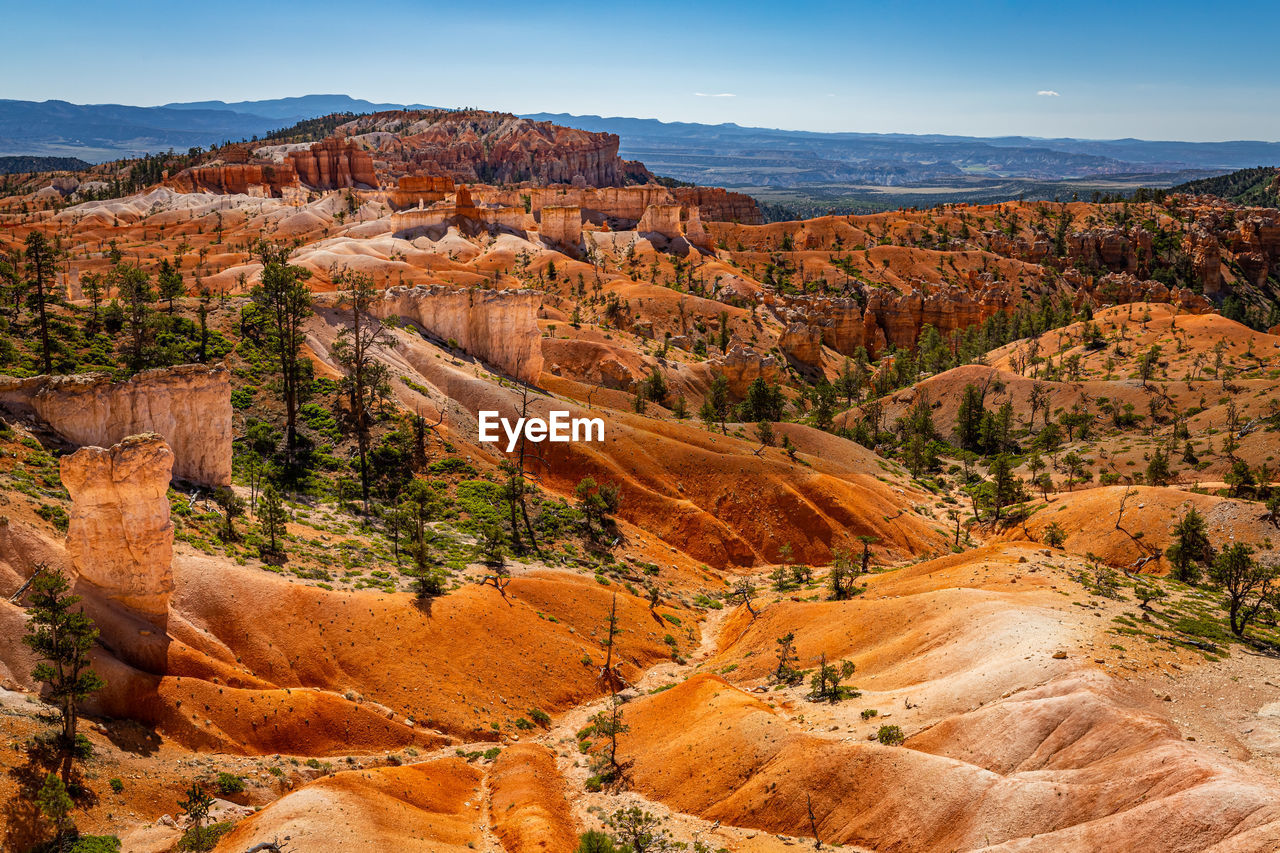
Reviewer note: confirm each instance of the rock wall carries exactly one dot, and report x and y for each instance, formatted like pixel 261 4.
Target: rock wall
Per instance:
pixel 1206 258
pixel 188 405
pixel 420 191
pixel 882 317
pixel 562 225
pixel 742 365
pixel 601 205
pixel 661 219
pixel 606 204
pixel 462 211
pixel 1256 245
pixel 265 180
pixel 716 204
pixel 475 146
pixel 499 327
pixel 120 538
pixel 1119 288
pixel 334 164
pixel 802 344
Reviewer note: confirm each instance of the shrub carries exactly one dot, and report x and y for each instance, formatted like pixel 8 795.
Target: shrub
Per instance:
pixel 890 735
pixel 229 783
pixel 204 838
pixel 868 713
pixel 540 717
pixel 116 785
pixel 96 844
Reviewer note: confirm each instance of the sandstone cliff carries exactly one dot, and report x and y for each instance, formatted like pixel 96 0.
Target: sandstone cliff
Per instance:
pixel 499 327
pixel 562 225
pixel 479 146
pixel 717 204
pixel 120 538
pixel 742 365
pixel 265 180
pixel 188 405
pixel 802 344
pixel 333 164
pixel 661 219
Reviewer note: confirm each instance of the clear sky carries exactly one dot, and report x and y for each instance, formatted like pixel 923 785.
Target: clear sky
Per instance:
pixel 1156 70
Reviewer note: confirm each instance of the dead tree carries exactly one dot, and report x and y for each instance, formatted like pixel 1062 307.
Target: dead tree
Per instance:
pixel 813 822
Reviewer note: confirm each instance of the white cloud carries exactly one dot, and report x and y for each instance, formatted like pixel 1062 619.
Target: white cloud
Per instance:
pixel 716 95
pixel 1047 93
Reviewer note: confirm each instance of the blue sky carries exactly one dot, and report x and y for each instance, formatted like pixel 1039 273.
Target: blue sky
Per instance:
pixel 1167 70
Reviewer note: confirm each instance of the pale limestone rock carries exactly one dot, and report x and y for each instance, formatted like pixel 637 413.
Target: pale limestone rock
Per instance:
pixel 188 405
pixel 661 219
pixel 499 327
pixel 120 538
pixel 562 225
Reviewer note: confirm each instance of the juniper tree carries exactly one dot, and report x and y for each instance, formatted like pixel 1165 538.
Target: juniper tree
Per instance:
pixel 232 506
pixel 55 804
pixel 742 593
pixel 596 502
pixel 969 418
pixel 825 682
pixel 1191 548
pixel 785 672
pixel 1246 583
pixel 93 289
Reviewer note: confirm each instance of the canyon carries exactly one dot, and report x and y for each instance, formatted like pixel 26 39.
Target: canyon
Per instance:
pixel 391 632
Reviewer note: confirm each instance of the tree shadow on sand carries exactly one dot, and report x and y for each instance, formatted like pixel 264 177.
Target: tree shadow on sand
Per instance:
pixel 25 827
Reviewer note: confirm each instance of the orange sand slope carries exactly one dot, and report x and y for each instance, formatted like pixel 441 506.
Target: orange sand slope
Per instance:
pixel 431 807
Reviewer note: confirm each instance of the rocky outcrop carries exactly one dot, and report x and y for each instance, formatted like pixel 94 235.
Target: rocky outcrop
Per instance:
pixel 420 191
pixel 120 538
pixel 802 345
pixel 462 211
pixel 1256 244
pixel 716 204
pixel 475 146
pixel 562 225
pixel 188 405
pixel 882 317
pixel 263 180
pixel 1206 259
pixel 1119 288
pixel 499 327
pixel 334 164
pixel 663 219
pixel 695 232
pixel 742 365
pixel 612 205
pixel 1112 249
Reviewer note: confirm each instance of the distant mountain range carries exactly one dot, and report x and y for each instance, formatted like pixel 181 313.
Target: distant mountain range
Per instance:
pixel 740 156
pixel 724 155
pixel 100 132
